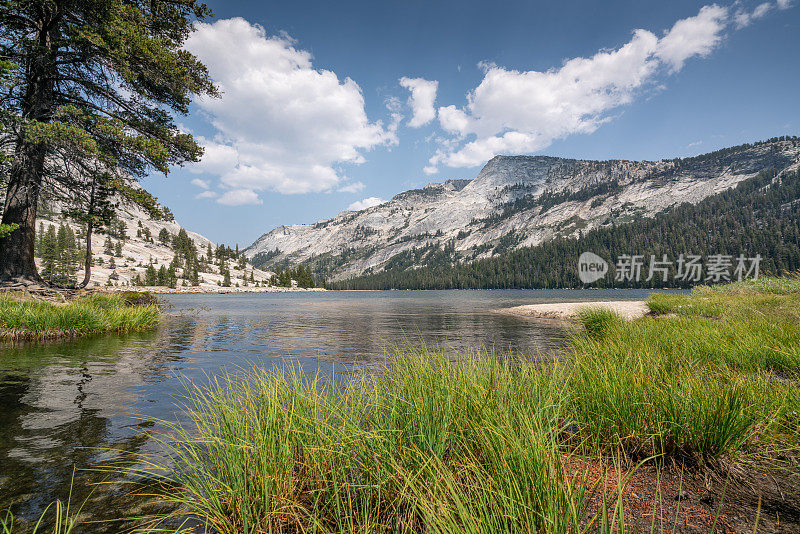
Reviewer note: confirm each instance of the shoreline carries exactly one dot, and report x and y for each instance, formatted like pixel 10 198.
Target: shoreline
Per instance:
pixel 162 290
pixel 565 311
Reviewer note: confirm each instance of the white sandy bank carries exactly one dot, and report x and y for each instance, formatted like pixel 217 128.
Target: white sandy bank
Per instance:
pixel 629 309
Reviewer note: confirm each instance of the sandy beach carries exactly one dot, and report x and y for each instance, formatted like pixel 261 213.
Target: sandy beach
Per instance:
pixel 629 309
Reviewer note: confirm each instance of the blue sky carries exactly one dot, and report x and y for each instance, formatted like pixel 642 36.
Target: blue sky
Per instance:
pixel 328 104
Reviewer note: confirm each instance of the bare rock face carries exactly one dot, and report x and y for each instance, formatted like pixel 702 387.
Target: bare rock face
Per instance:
pixel 138 251
pixel 515 201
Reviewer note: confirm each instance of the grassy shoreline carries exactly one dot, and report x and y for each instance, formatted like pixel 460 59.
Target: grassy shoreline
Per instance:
pixel 26 318
pixel 685 420
pixel 707 386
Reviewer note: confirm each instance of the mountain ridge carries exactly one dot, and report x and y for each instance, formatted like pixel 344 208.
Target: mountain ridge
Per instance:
pixel 514 202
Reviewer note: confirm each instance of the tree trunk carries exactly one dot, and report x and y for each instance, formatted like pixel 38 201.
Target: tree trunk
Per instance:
pixel 88 262
pixel 89 227
pixel 22 198
pixel 17 263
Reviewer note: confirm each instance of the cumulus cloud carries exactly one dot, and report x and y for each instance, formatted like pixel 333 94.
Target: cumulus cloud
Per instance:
pixel 203 184
pixel 364 204
pixel 421 100
pixel 207 194
pixel 240 197
pixel 784 4
pixel 281 124
pixel 514 111
pixel 693 36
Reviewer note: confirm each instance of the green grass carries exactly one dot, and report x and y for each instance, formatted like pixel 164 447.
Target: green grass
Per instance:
pixel 752 326
pixel 62 522
pixel 434 443
pixel 56 518
pixel 711 373
pixel 25 318
pixel 468 446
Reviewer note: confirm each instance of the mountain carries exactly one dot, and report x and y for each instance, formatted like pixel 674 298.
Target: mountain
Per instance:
pixel 760 216
pixel 140 247
pixel 515 202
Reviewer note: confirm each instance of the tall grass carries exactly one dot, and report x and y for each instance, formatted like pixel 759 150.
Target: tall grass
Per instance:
pixel 479 444
pixel 430 444
pixel 655 404
pixel 698 380
pixel 96 313
pixel 750 325
pixel 63 522
pixel 57 518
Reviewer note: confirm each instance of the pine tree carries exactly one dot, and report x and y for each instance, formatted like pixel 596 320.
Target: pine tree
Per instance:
pixel 171 277
pixel 67 255
pixel 118 249
pixel 49 254
pixel 161 276
pixel 194 277
pixel 93 86
pixel 164 237
pixel 150 276
pixel 108 246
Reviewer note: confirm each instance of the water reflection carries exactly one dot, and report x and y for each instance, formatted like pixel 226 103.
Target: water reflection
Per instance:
pixel 64 405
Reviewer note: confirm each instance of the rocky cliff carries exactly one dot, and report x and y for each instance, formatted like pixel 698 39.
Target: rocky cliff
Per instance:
pixel 515 201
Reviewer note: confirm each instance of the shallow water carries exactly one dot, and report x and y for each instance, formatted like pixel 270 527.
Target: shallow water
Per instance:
pixel 64 404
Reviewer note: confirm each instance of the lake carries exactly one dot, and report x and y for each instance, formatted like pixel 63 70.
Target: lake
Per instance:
pixel 65 404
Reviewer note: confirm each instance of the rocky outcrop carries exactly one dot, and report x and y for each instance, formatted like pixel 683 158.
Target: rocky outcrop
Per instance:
pixel 514 201
pixel 138 251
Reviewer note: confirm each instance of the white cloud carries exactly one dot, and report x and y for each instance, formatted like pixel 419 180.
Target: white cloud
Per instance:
pixel 353 187
pixel 203 184
pixel 784 4
pixel 218 158
pixel 281 124
pixel 515 111
pixel 695 143
pixel 364 204
pixel 239 197
pixel 693 36
pixel 207 194
pixel 423 96
pixel 744 18
pixel 430 169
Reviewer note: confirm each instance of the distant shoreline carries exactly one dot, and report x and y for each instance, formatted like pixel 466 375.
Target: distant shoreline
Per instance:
pixel 161 290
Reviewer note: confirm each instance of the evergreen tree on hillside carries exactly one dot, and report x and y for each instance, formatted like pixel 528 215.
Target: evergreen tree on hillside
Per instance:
pixel 164 237
pixel 108 246
pixel 48 247
pixel 150 276
pixel 761 215
pixel 90 90
pixel 67 255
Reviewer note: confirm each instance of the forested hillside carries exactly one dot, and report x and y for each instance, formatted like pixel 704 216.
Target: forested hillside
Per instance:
pixel 515 202
pixel 759 216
